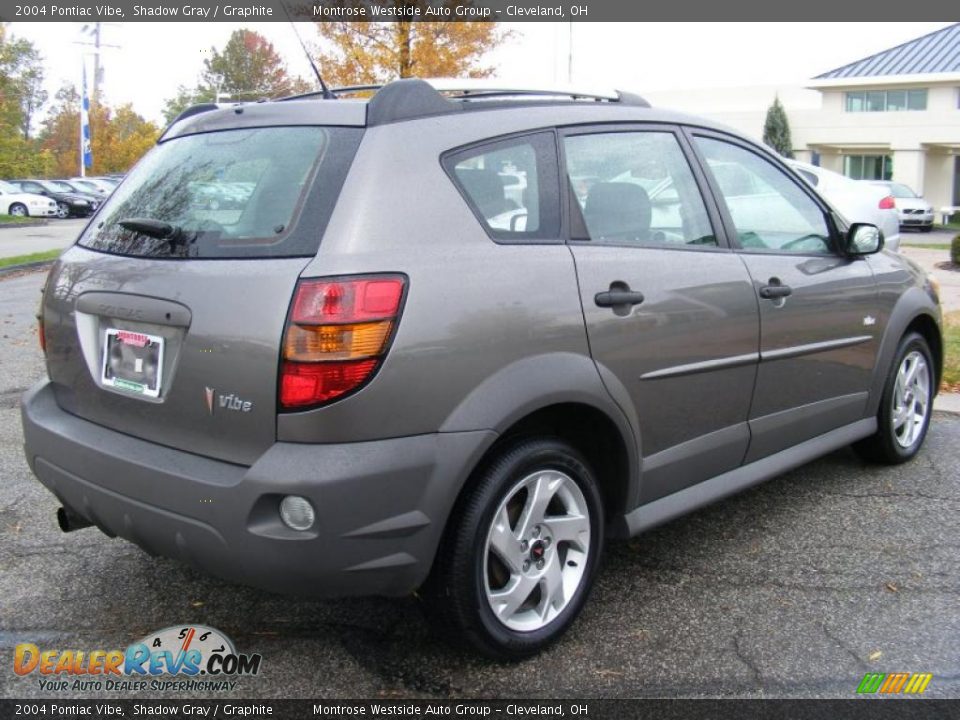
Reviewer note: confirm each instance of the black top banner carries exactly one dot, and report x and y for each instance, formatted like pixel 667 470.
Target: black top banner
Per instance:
pixel 468 10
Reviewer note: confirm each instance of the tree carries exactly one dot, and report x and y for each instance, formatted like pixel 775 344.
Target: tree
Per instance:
pixel 21 81
pixel 364 53
pixel 119 137
pixel 184 98
pixel 776 129
pixel 248 68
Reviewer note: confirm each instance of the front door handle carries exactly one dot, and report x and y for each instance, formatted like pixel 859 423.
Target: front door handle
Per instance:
pixel 618 298
pixel 775 290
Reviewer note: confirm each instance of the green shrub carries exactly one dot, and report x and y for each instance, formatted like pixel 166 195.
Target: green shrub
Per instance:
pixel 955 251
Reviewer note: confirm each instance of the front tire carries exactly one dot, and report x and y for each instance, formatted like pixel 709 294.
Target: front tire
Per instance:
pixel 518 559
pixel 63 211
pixel 19 210
pixel 905 407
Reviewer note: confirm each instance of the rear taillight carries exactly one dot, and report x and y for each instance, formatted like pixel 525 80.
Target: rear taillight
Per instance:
pixel 887 203
pixel 336 336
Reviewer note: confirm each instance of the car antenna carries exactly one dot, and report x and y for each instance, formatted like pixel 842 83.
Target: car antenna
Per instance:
pixel 327 95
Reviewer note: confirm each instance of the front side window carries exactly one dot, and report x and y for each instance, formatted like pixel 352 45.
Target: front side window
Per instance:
pixel 637 188
pixel 769 210
pixel 511 185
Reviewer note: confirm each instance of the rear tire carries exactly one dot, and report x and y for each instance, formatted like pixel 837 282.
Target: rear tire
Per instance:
pixel 63 211
pixel 905 407
pixel 518 558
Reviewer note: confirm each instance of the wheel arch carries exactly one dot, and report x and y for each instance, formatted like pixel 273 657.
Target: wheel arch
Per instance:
pixel 559 395
pixel 914 312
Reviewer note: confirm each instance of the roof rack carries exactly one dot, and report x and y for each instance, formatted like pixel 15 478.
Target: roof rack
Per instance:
pixel 413 97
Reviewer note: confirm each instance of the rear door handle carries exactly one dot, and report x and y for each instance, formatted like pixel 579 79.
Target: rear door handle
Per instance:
pixel 618 298
pixel 775 290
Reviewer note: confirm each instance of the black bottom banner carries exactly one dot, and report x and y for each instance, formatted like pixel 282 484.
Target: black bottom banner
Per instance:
pixel 645 709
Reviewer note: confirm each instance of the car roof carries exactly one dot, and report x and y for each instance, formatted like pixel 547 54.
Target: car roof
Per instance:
pixel 415 99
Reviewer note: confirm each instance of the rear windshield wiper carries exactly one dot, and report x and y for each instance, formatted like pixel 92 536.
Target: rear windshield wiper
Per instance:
pixel 152 228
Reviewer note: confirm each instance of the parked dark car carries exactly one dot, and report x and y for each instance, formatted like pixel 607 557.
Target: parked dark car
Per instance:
pixel 457 342
pixel 69 204
pixel 80 187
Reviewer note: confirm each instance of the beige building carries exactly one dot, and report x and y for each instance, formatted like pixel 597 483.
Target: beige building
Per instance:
pixel 893 116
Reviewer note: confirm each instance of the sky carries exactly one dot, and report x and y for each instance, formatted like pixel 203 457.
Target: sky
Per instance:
pixel 154 58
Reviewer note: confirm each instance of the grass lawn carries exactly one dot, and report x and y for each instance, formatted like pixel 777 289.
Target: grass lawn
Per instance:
pixel 31 258
pixel 926 246
pixel 14 220
pixel 951 350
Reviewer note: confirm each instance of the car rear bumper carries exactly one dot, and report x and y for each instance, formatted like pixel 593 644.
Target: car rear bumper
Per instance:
pixel 380 506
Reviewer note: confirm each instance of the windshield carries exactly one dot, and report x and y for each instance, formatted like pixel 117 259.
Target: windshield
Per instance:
pixel 232 193
pixel 8 188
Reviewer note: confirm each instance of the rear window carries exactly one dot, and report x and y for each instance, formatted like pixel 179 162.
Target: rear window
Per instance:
pixel 260 192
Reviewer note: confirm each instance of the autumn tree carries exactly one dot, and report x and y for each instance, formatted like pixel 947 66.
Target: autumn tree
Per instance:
pixel 21 81
pixel 119 137
pixel 363 53
pixel 21 93
pixel 248 68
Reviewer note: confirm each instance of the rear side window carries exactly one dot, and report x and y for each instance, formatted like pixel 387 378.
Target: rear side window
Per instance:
pixel 512 186
pixel 636 188
pixel 260 192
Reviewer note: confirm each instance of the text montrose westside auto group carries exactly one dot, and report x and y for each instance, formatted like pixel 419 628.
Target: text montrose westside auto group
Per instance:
pixel 404 12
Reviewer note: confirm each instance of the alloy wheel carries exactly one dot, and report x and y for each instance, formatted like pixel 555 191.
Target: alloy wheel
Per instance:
pixel 911 399
pixel 537 550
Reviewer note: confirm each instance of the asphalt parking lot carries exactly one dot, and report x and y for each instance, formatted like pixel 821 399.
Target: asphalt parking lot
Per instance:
pixel 56 234
pixel 793 589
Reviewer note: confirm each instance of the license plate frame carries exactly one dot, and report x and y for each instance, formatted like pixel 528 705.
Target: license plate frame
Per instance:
pixel 135 355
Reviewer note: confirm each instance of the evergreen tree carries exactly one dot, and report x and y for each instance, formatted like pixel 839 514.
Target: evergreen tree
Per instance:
pixel 776 130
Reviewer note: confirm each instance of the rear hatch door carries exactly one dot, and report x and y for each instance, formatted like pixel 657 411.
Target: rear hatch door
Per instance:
pixel 165 321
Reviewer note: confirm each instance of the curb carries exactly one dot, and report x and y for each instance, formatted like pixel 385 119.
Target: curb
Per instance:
pixel 26 267
pixel 947 403
pixel 14 226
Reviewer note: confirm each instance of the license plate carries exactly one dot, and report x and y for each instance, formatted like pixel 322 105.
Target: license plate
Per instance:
pixel 133 362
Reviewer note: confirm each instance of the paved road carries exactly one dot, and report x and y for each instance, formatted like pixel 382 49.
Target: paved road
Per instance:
pixel 55 235
pixel 796 588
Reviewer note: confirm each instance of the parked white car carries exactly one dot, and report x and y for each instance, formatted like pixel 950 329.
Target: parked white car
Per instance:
pixel 13 201
pixel 857 201
pixel 914 210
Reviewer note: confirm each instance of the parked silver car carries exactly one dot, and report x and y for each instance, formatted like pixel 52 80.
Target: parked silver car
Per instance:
pixel 914 210
pixel 457 341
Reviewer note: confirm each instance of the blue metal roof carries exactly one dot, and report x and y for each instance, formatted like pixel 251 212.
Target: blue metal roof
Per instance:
pixel 938 52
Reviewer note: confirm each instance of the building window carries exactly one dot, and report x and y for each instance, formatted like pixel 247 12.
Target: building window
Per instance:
pixel 886 100
pixel 956 181
pixel 868 167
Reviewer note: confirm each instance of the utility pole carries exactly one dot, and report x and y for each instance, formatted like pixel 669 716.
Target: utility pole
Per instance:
pixel 95 32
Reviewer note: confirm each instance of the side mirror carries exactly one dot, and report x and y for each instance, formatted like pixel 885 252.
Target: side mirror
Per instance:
pixel 863 239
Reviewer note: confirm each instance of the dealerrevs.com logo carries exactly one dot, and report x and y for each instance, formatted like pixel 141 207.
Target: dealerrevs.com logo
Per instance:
pixel 181 658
